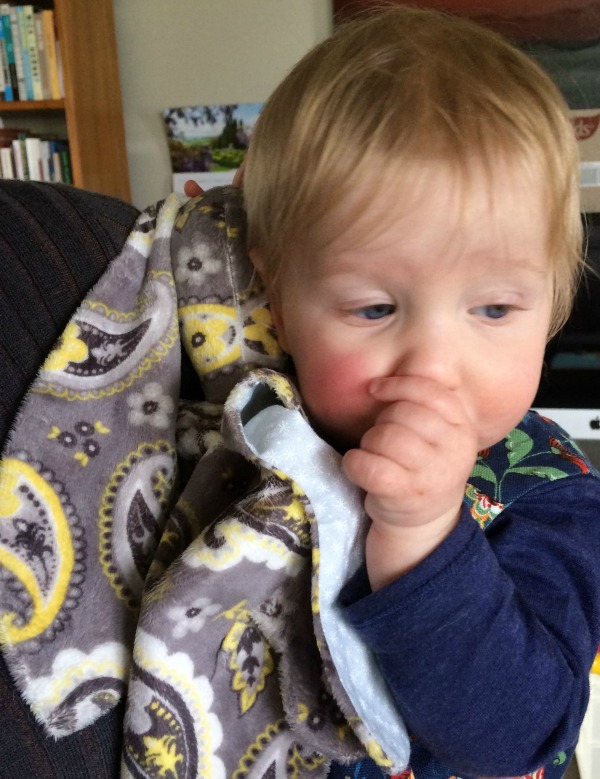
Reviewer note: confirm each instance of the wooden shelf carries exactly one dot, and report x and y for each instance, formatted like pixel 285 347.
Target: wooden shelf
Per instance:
pixel 92 104
pixel 31 105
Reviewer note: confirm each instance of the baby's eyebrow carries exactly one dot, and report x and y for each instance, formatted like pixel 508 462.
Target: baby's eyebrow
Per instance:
pixel 527 265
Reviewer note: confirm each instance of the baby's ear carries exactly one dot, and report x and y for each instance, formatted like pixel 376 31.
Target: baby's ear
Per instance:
pixel 257 259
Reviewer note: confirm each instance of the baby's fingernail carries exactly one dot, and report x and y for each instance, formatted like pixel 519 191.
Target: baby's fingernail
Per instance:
pixel 375 386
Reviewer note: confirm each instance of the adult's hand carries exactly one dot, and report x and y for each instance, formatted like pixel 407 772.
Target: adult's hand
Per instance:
pixel 193 189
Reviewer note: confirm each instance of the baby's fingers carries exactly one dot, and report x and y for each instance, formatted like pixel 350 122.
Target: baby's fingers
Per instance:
pixel 375 473
pixel 420 391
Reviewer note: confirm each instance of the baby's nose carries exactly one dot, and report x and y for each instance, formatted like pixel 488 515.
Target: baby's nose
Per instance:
pixel 431 356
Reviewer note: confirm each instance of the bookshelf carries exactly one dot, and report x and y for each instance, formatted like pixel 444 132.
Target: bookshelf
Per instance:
pixel 91 112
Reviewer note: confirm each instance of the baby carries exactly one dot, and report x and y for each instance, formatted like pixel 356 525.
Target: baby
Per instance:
pixel 412 199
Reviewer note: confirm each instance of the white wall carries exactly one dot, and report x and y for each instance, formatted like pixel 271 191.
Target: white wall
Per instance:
pixel 196 52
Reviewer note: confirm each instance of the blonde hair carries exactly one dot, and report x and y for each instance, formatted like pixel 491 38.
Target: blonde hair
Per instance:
pixel 395 88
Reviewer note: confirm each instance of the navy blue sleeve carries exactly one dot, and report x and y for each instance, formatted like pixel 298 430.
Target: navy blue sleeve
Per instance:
pixel 487 644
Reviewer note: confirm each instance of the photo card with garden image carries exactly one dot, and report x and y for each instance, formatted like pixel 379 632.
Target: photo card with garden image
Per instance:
pixel 207 143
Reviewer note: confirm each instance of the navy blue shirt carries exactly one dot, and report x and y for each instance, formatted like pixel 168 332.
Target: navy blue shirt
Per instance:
pixel 488 643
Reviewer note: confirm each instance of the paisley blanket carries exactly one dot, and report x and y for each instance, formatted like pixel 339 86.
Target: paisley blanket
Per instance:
pixel 185 552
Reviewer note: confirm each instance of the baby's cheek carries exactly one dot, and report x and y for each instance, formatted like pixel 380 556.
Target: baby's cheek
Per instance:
pixel 338 393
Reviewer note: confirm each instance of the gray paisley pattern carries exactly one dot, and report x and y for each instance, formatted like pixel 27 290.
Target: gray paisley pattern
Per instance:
pixel 162 548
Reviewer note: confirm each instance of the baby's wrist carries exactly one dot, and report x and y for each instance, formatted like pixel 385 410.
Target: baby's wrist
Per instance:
pixel 392 551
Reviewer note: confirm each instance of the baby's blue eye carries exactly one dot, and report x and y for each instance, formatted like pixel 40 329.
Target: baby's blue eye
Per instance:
pixel 493 311
pixel 377 311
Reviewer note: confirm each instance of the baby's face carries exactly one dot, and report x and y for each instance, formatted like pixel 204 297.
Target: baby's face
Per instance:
pixel 454 287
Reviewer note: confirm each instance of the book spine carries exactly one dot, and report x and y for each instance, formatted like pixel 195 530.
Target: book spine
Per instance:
pixel 45 160
pixel 56 168
pixel 40 43
pixel 50 42
pixel 25 52
pixel 60 153
pixel 12 90
pixel 16 39
pixel 21 170
pixel 7 163
pixel 34 158
pixel 32 51
pixel 4 74
pixel 65 160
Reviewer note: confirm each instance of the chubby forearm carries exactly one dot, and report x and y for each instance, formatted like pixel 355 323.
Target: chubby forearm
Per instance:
pixel 486 644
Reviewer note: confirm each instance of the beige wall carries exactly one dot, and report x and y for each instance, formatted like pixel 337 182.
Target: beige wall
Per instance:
pixel 195 52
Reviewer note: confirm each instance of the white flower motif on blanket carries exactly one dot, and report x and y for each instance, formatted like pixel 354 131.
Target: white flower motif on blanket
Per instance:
pixel 192 617
pixel 194 264
pixel 150 406
pixel 198 426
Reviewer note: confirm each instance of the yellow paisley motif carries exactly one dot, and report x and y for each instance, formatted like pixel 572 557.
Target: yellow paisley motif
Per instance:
pixel 261 329
pixel 314 598
pixel 281 385
pixel 243 542
pixel 377 754
pixel 297 761
pixel 70 349
pixel 185 211
pixel 196 695
pixel 161 753
pixel 210 335
pixel 162 486
pixel 239 612
pixel 291 507
pixel 254 750
pixel 154 356
pixel 239 683
pixel 13 473
pixel 158 352
pixel 9 502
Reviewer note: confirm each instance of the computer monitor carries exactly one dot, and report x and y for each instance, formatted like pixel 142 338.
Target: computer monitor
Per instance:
pixel 569 390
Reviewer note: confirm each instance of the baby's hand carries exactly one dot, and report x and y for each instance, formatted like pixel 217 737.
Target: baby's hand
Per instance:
pixel 413 464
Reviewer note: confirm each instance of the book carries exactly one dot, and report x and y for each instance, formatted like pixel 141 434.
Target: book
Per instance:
pixel 51 54
pixel 12 91
pixel 20 159
pixel 40 42
pixel 45 160
pixel 8 137
pixel 6 162
pixel 36 158
pixel 32 51
pixel 33 153
pixel 59 150
pixel 56 167
pixel 4 74
pixel 18 52
pixel 24 43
